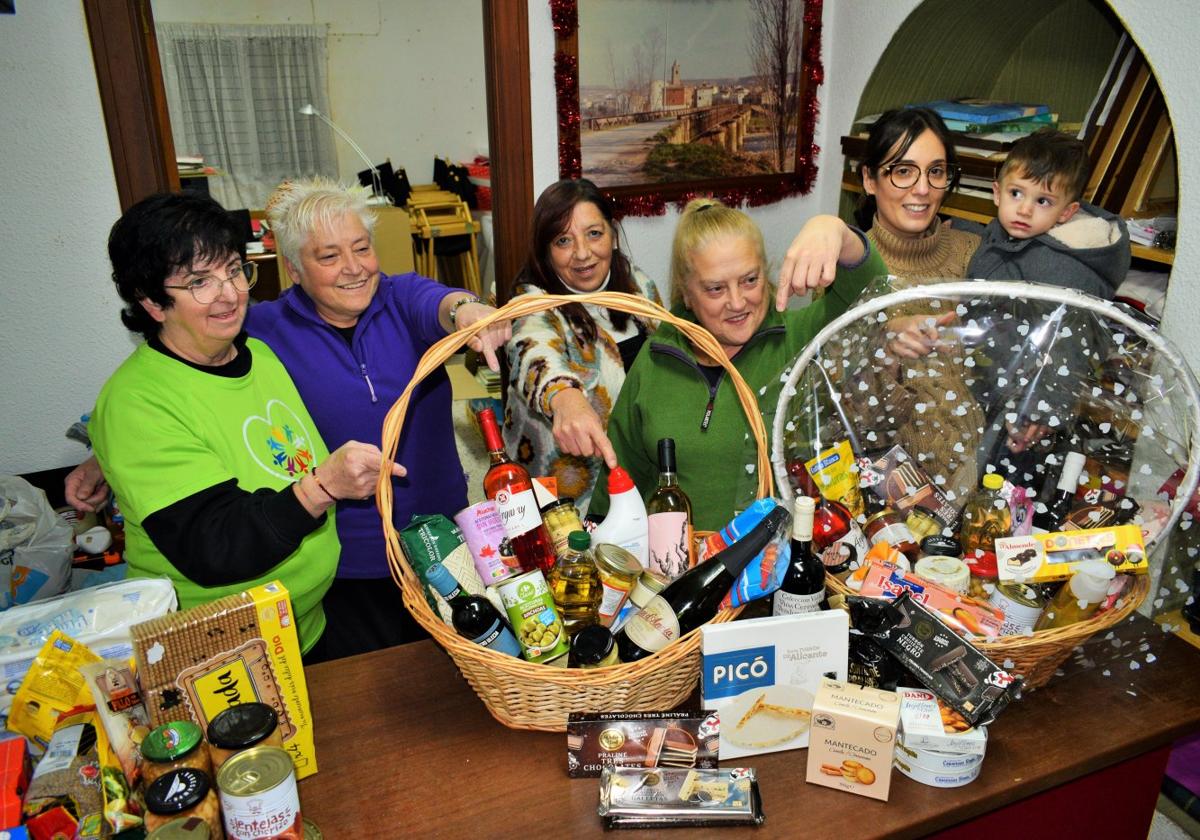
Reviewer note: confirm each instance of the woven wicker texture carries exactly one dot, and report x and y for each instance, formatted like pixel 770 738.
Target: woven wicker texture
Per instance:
pixel 1010 353
pixel 520 694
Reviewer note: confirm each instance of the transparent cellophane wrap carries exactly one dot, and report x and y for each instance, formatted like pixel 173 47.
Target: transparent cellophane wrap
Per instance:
pixel 1010 362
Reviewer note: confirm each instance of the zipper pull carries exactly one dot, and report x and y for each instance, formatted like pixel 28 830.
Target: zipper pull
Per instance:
pixel 363 367
pixel 708 410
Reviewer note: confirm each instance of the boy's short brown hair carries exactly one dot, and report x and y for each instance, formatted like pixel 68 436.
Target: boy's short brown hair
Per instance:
pixel 1052 158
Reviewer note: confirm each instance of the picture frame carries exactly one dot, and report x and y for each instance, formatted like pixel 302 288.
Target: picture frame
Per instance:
pixel 653 136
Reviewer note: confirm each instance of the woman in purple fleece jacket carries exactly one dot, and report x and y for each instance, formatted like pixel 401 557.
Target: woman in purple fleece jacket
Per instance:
pixel 351 337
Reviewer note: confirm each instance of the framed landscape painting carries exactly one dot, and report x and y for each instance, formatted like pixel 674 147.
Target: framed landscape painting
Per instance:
pixel 662 100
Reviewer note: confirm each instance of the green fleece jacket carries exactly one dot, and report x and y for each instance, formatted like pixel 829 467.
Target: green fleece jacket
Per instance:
pixel 666 395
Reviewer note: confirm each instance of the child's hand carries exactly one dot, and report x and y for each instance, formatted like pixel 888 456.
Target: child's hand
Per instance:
pixel 914 336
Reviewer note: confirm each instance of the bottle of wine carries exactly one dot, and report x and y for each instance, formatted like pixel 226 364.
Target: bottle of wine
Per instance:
pixel 1064 494
pixel 694 597
pixel 669 513
pixel 510 487
pixel 803 587
pixel 472 616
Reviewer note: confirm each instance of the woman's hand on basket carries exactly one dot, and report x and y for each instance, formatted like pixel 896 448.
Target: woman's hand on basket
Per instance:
pixel 352 471
pixel 491 338
pixel 914 336
pixel 578 429
pixel 812 260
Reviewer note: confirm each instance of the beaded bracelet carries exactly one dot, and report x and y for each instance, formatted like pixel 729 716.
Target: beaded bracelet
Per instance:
pixel 322 486
pixel 462 301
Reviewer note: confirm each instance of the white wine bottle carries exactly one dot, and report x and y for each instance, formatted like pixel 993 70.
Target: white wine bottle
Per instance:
pixel 669 513
pixel 694 597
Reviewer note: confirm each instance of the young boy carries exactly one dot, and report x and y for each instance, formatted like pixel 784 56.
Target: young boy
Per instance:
pixel 1043 233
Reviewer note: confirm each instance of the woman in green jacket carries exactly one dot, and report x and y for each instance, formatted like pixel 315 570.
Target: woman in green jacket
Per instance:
pixel 719 279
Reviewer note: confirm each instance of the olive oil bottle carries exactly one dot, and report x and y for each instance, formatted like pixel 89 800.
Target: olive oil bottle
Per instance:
pixel 985 518
pixel 575 584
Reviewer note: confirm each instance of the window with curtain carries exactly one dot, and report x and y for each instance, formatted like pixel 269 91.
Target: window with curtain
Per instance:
pixel 234 94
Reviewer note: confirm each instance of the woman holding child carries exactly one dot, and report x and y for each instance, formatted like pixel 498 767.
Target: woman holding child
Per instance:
pixel 719 280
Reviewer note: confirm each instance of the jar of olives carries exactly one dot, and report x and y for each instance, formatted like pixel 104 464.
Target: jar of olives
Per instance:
pixel 535 619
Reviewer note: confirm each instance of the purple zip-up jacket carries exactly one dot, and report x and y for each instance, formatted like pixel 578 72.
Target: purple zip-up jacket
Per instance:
pixel 349 388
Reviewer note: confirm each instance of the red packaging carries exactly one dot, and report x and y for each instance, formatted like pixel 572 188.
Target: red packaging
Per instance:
pixel 14 780
pixel 962 613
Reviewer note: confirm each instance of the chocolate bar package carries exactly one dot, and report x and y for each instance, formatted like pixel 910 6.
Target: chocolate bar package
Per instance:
pixel 632 797
pixel 946 663
pixel 640 739
pixel 898 480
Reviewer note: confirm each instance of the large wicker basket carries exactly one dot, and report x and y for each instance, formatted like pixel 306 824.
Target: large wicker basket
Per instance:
pixel 1036 656
pixel 520 694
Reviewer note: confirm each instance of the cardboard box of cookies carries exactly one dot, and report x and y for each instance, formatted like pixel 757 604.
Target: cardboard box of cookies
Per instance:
pixel 241 648
pixel 853 738
pixel 762 675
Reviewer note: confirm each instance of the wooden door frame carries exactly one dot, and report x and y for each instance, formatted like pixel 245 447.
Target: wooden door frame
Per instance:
pixel 133 98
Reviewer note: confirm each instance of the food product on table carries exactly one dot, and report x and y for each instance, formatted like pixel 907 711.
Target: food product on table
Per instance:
pixel 186 792
pixel 1041 558
pixel 966 615
pixel 65 793
pixel 508 484
pixel 664 797
pixel 473 616
pixel 182 828
pixel 561 518
pixel 1080 597
pixel 259 797
pixel 196 663
pixel 803 587
pixel 52 685
pixel 596 740
pixel 693 598
pixel 120 710
pixel 241 727
pixel 534 618
pixel 179 743
pixel 853 737
pixel 575 584
pixel 626 524
pixel 836 477
pixel 669 517
pixel 619 572
pixel 593 647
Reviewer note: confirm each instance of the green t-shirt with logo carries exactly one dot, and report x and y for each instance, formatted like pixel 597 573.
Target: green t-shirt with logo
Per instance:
pixel 163 431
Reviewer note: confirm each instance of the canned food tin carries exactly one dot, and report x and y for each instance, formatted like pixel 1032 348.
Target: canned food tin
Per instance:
pixel 1022 607
pixel 619 571
pixel 259 796
pixel 483 532
pixel 950 572
pixel 561 518
pixel 534 618
pixel 185 828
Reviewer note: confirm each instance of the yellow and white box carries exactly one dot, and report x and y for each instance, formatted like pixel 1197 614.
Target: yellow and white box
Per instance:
pixel 1041 558
pixel 853 738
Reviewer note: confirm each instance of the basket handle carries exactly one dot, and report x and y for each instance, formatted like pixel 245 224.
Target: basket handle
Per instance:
pixel 437 355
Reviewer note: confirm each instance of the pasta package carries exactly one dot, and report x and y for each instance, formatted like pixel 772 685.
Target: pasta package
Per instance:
pixel 52 685
pixel 242 648
pixel 120 711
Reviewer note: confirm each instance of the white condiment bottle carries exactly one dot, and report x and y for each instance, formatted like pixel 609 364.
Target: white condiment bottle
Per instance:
pixel 1079 597
pixel 626 524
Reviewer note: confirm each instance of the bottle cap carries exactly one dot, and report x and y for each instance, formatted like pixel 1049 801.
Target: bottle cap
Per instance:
pixel 177 791
pixel 804 507
pixel 1091 579
pixel 242 726
pixel 172 741
pixel 591 644
pixel 441 579
pixel 579 540
pixel 619 481
pixel 993 481
pixel 1072 467
pixel 666 454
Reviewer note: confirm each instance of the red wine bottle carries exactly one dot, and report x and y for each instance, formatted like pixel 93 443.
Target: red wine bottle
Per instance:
pixel 803 587
pixel 472 616
pixel 1064 494
pixel 694 597
pixel 510 487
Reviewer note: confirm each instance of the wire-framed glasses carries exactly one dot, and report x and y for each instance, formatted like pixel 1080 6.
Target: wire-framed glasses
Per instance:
pixel 905 175
pixel 207 288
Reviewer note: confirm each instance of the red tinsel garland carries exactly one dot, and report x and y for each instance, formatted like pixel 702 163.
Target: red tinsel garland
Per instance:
pixel 653 200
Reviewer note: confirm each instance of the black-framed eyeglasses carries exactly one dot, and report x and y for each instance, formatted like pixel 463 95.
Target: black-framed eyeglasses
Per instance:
pixel 905 175
pixel 207 288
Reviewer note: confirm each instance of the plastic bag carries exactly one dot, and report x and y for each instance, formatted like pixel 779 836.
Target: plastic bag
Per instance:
pixel 35 545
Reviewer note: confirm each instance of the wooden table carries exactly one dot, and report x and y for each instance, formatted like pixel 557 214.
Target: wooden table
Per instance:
pixel 407 749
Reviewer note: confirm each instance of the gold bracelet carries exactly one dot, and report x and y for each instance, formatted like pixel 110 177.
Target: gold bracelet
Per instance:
pixel 462 301
pixel 321 486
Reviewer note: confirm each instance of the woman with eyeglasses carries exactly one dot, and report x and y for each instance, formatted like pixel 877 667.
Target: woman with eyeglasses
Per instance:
pixel 222 477
pixel 909 168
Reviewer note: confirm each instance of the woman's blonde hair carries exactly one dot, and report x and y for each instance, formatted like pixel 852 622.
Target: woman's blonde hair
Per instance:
pixel 703 221
pixel 298 208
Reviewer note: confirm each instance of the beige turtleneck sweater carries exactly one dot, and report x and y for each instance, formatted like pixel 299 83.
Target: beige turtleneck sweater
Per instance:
pixel 944 254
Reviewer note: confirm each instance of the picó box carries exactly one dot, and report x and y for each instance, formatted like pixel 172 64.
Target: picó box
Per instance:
pixel 241 648
pixel 762 675
pixel 853 738
pixel 928 724
pixel 1041 558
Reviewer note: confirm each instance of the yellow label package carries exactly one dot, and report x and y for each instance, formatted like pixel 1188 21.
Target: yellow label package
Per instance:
pixel 52 685
pixel 836 476
pixel 239 649
pixel 1040 558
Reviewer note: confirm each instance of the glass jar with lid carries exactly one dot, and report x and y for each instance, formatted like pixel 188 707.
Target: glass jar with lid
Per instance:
pixel 619 572
pixel 186 792
pixel 175 744
pixel 593 647
pixel 241 727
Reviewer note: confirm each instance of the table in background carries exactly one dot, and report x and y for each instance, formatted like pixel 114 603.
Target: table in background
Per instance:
pixel 407 749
